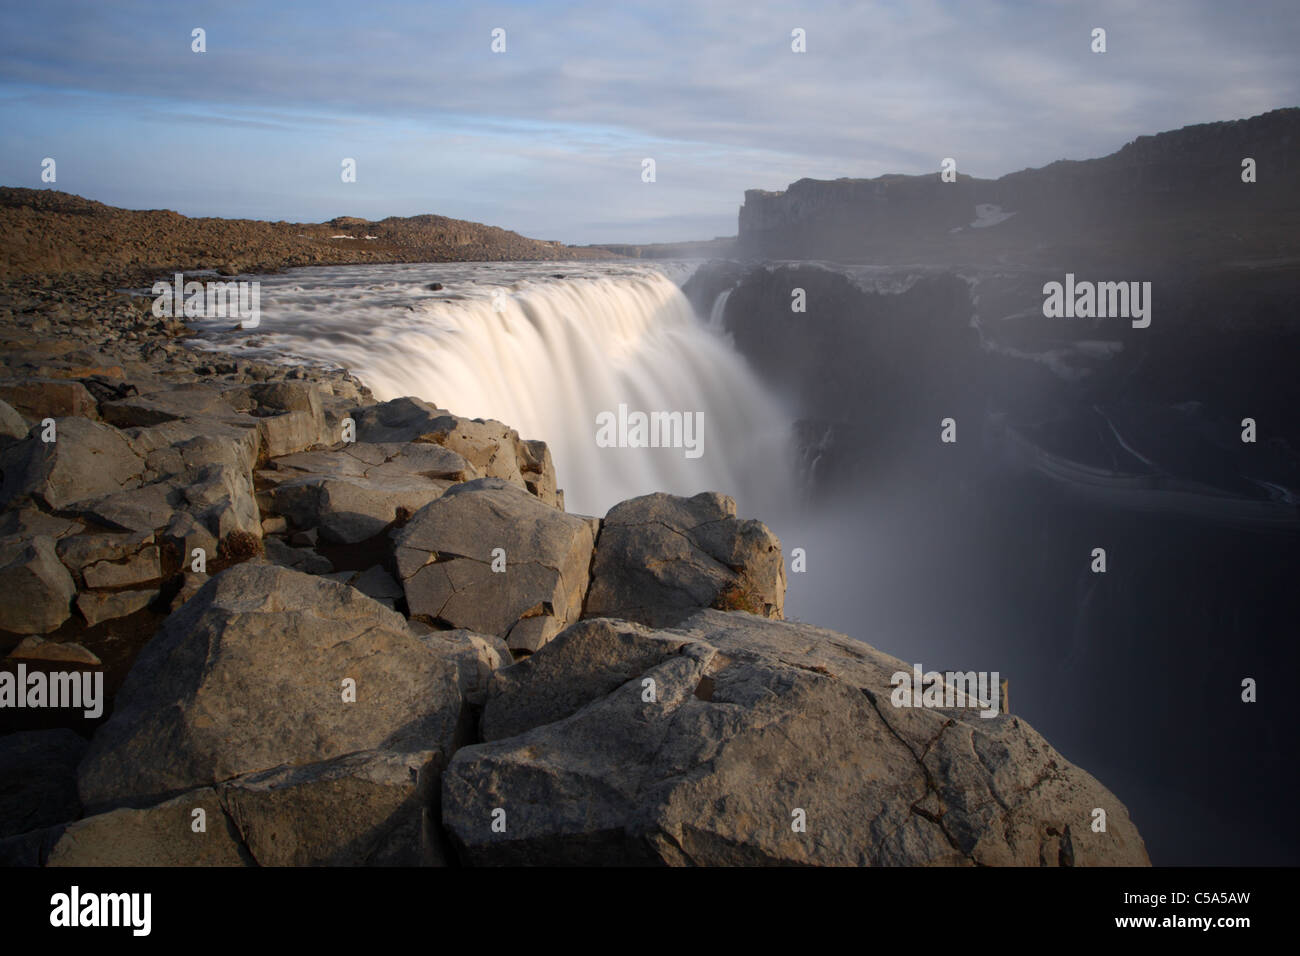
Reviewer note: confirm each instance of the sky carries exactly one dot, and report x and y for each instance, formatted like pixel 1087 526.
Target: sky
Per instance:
pixel 548 137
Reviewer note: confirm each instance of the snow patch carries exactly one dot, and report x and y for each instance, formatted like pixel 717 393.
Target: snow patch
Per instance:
pixel 988 214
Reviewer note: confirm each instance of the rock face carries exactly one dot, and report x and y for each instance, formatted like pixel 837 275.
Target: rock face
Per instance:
pixel 249 675
pixel 660 556
pixel 445 557
pixel 757 742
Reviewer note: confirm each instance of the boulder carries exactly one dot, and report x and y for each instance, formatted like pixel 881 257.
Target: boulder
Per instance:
pixel 78 550
pixel 200 490
pixel 187 401
pixel 143 566
pixel 444 557
pixel 87 459
pixel 29 521
pixel 143 510
pixel 170 447
pixel 356 492
pixel 290 432
pixel 362 809
pixel 28 849
pixel 373 582
pixel 100 606
pixel 38 590
pixel 476 656
pixel 39 649
pixel 47 398
pixel 221 497
pixel 305 560
pixel 758 742
pixel 399 420
pixel 160 835
pixel 185 533
pixel 250 674
pixel 660 557
pixel 38 779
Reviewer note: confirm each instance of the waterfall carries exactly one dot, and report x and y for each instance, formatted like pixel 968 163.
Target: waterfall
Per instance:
pixel 547 355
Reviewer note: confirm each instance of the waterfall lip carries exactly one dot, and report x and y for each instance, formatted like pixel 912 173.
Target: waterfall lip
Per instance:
pixel 545 358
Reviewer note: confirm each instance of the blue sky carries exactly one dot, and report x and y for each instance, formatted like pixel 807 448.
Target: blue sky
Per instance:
pixel 548 137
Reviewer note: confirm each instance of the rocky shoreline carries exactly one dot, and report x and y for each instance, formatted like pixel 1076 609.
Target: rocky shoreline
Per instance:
pixel 341 632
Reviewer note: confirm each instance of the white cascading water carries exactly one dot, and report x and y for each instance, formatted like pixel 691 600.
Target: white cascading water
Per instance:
pixel 546 355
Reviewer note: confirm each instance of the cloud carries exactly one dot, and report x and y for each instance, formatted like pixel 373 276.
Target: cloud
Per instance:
pixel 584 91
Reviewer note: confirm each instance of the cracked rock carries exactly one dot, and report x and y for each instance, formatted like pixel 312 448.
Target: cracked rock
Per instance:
pixel 280 644
pixel 444 558
pixel 494 449
pixel 660 557
pixel 748 721
pixel 86 459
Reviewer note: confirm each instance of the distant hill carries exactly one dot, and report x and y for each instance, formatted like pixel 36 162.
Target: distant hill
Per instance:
pixel 1175 195
pixel 43 231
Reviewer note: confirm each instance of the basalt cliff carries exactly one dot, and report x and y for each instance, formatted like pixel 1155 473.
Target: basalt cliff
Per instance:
pixel 1180 195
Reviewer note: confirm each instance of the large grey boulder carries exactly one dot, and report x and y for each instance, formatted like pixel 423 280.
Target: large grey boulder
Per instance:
pixel 292 418
pixel 38 779
pixel 734 739
pixel 86 459
pixel 445 554
pixel 661 556
pixel 37 588
pixel 249 675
